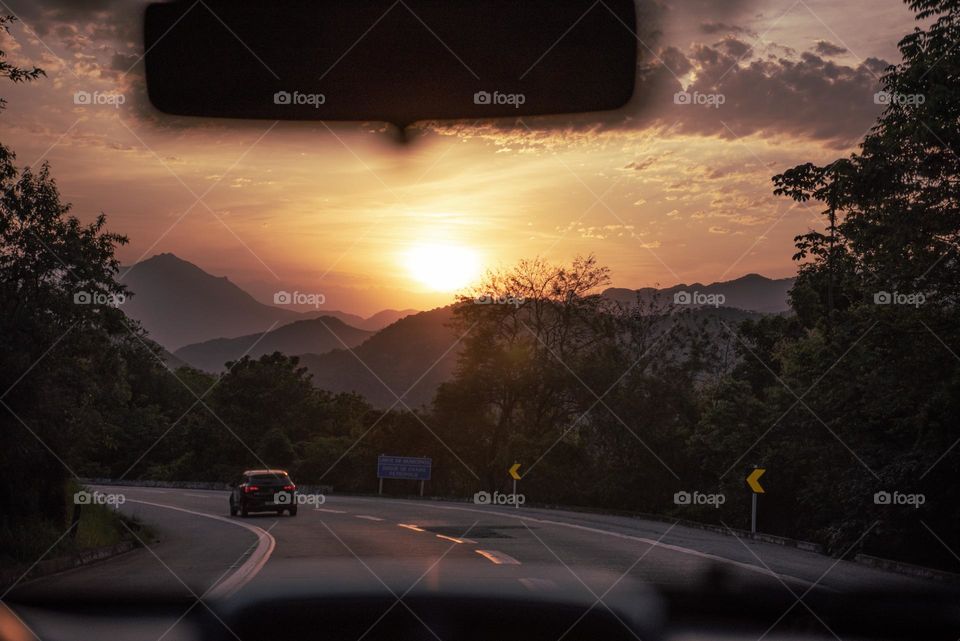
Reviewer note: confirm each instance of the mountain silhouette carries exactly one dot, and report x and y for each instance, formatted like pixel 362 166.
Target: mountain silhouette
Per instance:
pixel 317 335
pixel 396 357
pixel 752 292
pixel 180 304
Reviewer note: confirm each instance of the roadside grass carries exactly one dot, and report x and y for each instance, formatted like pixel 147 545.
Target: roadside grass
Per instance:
pixel 38 538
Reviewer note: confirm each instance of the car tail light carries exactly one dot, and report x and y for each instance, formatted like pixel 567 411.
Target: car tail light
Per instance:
pixel 250 488
pixel 289 488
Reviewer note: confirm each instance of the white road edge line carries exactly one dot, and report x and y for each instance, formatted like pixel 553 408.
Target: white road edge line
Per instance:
pixel 497 558
pixel 367 517
pixel 666 546
pixel 326 509
pixel 249 569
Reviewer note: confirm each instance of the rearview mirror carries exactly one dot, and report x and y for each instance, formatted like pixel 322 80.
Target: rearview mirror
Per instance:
pixel 397 61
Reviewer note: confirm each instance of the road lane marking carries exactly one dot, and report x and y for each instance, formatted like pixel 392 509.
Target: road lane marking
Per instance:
pixel 326 509
pixel 249 569
pixel 411 527
pixel 666 546
pixel 497 558
pixel 203 496
pixel 368 518
pixel 454 539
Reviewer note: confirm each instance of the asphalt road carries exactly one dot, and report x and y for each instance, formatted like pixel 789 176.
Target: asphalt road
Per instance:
pixel 201 551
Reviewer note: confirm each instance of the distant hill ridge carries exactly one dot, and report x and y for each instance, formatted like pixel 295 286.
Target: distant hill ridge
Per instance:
pixel 393 361
pixel 752 292
pixel 180 304
pixel 315 335
pixel 413 351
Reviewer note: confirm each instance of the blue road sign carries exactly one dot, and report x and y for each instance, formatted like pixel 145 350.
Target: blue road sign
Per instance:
pixel 403 467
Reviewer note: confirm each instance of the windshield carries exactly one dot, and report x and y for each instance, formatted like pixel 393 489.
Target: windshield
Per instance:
pixel 707 341
pixel 262 479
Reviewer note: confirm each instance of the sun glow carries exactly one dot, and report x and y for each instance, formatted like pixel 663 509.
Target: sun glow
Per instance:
pixel 441 267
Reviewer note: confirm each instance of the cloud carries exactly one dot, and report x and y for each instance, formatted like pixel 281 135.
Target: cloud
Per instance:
pixel 767 89
pixel 742 91
pixel 805 97
pixel 600 232
pixel 713 28
pixel 827 48
pixel 736 48
pixel 640 165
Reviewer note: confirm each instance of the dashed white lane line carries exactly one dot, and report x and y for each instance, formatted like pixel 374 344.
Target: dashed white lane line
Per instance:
pixel 254 563
pixel 658 544
pixel 326 509
pixel 455 539
pixel 367 517
pixel 498 558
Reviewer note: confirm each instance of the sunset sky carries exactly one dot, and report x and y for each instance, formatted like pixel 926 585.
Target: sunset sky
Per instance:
pixel 660 192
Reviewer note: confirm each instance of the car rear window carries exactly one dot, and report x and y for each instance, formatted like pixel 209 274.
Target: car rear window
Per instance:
pixel 268 479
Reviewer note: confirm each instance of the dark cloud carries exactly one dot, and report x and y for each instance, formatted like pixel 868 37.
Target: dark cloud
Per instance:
pixel 713 28
pixel 827 48
pixel 803 97
pixel 117 20
pixel 809 97
pixel 770 90
pixel 736 48
pixel 674 60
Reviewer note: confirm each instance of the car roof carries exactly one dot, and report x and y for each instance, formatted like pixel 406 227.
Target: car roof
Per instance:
pixel 249 472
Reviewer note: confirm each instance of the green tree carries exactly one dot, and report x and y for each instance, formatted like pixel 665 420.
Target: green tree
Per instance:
pixel 872 348
pixel 527 331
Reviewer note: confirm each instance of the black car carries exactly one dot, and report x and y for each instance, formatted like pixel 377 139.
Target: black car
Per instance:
pixel 263 491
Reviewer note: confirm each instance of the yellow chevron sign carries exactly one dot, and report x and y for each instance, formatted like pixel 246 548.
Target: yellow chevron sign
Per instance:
pixel 753 480
pixel 514 471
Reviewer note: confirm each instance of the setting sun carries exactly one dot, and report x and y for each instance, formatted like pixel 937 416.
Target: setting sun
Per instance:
pixel 443 268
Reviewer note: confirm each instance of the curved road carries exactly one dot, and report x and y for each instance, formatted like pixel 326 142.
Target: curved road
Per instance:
pixel 201 551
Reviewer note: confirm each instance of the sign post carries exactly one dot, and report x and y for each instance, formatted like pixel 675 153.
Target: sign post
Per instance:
pixel 413 468
pixel 753 480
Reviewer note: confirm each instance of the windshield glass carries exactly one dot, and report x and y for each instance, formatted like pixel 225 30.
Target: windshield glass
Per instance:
pixel 707 341
pixel 264 479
